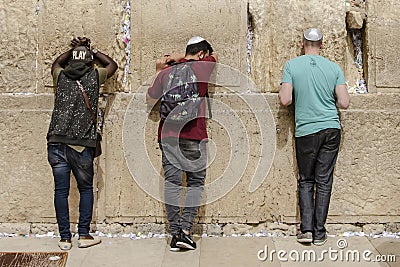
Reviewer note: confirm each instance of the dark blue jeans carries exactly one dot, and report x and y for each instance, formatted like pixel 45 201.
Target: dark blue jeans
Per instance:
pixel 316 158
pixel 63 159
pixel 179 156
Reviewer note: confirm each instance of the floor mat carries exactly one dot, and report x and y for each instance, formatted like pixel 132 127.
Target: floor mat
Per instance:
pixel 33 259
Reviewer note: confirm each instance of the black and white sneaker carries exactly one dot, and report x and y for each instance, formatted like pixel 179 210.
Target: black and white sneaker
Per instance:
pixel 305 237
pixel 185 241
pixel 320 242
pixel 173 246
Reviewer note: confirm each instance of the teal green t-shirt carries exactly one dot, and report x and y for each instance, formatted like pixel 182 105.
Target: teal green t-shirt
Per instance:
pixel 314 79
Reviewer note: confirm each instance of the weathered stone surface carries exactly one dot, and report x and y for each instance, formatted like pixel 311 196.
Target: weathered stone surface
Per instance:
pixel 355 19
pixel 129 182
pixel 364 195
pixel 60 21
pixel 375 229
pixel 392 227
pixel 214 230
pixel 120 198
pixel 154 37
pixel 15 228
pixel 42 229
pixel 277 226
pixel 18 52
pixel 278 35
pixel 342 228
pixel 238 229
pixel 383 32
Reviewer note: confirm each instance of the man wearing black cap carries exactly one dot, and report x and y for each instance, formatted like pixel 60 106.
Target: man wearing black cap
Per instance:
pixel 319 88
pixel 183 145
pixel 72 133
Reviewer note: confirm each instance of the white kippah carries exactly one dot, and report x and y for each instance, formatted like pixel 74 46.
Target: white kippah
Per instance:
pixel 313 34
pixel 195 40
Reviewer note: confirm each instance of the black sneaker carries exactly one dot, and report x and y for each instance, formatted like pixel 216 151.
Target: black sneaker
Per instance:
pixel 320 242
pixel 173 246
pixel 185 241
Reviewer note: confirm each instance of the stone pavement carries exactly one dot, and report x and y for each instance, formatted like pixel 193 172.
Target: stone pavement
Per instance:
pixel 219 251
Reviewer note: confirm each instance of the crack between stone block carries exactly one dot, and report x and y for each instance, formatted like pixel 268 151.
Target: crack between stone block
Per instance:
pixel 37 9
pixel 250 36
pixel 126 30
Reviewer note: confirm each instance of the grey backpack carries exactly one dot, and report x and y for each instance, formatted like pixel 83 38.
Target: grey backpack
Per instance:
pixel 180 102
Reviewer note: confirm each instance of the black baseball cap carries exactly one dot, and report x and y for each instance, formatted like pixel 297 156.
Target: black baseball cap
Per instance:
pixel 82 54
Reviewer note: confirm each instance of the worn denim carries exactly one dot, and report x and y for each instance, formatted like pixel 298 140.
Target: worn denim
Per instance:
pixel 63 159
pixel 179 156
pixel 316 159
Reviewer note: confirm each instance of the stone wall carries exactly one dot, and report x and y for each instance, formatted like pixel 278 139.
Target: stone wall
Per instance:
pixel 252 175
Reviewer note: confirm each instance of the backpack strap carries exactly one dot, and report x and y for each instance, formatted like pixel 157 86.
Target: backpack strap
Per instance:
pixel 208 105
pixel 87 102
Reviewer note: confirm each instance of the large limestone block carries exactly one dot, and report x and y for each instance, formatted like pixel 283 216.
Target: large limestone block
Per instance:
pixel 383 9
pixel 121 197
pixel 166 28
pixel 60 21
pixel 19 42
pixel 242 142
pixel 386 56
pixel 367 172
pixel 26 194
pixel 241 203
pixel 383 32
pixel 278 28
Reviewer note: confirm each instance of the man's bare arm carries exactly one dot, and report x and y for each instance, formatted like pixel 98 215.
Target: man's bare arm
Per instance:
pixel 285 94
pixel 108 63
pixel 342 96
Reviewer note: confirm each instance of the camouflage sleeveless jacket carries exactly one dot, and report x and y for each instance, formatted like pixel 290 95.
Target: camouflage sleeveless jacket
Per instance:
pixel 71 121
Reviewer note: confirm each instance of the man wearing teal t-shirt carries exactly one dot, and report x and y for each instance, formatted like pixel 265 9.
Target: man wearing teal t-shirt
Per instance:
pixel 318 87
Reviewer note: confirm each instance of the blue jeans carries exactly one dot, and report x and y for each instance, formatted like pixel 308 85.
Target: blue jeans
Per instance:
pixel 63 159
pixel 179 156
pixel 316 158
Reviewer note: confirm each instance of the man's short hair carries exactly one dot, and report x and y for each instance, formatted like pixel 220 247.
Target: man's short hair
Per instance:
pixel 193 49
pixel 308 43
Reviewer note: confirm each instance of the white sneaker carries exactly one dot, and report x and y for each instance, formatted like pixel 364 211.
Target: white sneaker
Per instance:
pixel 65 244
pixel 88 241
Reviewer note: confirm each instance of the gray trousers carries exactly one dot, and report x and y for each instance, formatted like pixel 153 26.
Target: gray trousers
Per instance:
pixel 179 156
